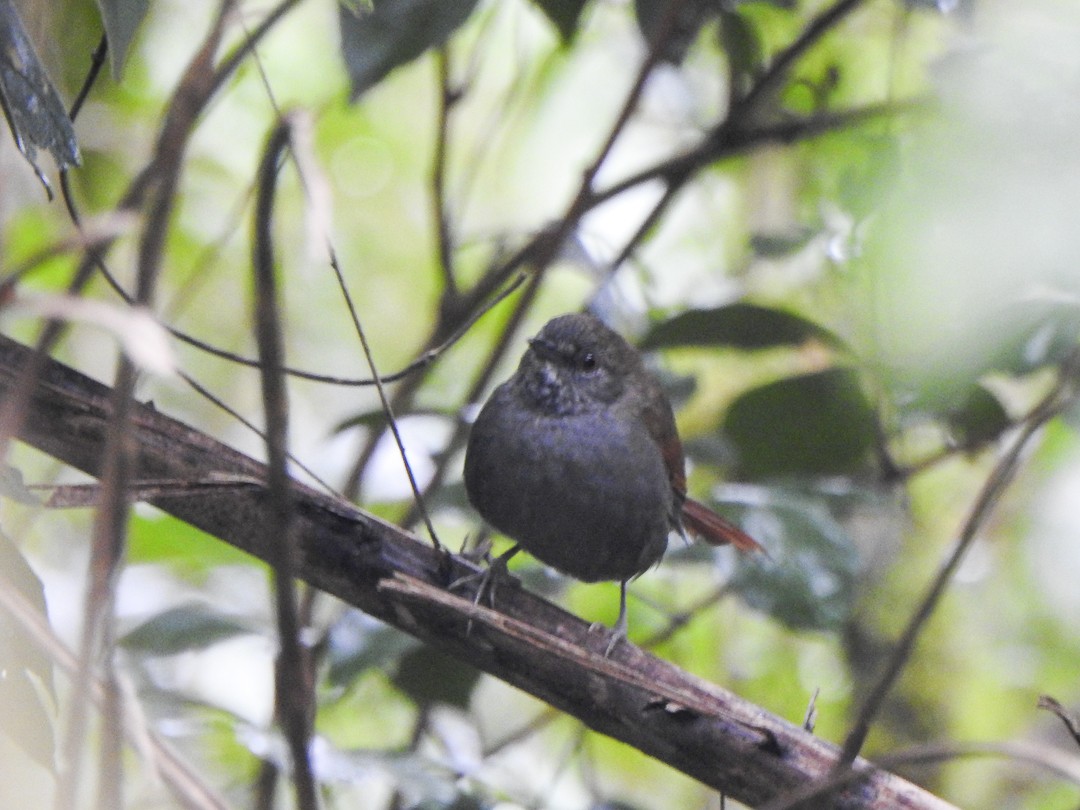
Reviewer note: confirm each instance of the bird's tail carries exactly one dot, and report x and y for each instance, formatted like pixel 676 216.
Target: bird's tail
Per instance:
pixel 715 530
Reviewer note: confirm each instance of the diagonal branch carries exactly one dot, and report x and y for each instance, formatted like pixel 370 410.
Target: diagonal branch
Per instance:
pixel 1002 475
pixel 694 726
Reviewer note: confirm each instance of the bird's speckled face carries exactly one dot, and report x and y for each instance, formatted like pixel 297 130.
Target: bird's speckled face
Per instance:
pixel 576 364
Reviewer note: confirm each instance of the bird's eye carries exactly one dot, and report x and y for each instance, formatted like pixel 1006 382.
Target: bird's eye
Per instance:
pixel 588 362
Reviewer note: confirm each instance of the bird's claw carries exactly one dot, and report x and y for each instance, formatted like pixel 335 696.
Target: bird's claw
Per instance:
pixel 487 578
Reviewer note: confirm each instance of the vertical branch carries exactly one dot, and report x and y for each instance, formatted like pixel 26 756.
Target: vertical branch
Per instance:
pixel 111 774
pixel 448 97
pixel 110 524
pixel 109 537
pixel 293 691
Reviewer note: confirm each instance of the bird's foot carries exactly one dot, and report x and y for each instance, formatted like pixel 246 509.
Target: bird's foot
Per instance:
pixel 487 579
pixel 615 635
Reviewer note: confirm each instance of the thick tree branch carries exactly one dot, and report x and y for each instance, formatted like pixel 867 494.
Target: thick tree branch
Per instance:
pixel 694 726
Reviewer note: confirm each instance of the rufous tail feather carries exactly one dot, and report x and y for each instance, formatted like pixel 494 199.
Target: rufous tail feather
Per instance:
pixel 715 530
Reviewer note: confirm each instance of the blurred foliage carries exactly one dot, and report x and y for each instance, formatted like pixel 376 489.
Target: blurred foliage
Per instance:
pixel 852 315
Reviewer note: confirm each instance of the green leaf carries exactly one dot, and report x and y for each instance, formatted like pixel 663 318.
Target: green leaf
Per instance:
pixel 981 418
pixel 814 424
pixel 775 245
pixel 393 33
pixel 742 46
pixel 740 325
pixel 187 627
pixel 121 19
pixel 564 14
pixel 33 109
pixel 429 676
pixel 187 551
pixel 808 580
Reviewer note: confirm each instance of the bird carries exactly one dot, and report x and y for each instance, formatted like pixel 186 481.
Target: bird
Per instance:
pixel 577 459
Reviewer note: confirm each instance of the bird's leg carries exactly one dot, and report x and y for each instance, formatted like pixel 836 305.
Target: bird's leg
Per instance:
pixel 618 632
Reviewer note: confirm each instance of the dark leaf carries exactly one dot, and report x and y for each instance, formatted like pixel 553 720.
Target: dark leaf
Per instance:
pixel 815 424
pixel 34 112
pixel 808 580
pixel 394 32
pixel 741 326
pixel 564 14
pixel 691 15
pixel 429 676
pixel 358 643
pixel 23 668
pixel 770 245
pixel 188 627
pixel 981 418
pixel 742 46
pixel 121 19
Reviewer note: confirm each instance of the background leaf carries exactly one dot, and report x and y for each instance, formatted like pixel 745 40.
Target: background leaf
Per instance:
pixel 394 32
pixel 121 19
pixel 808 580
pixel 187 627
pixel 981 418
pixel 429 676
pixel 740 326
pixel 692 15
pixel 12 486
pixel 564 14
pixel 813 424
pixel 358 643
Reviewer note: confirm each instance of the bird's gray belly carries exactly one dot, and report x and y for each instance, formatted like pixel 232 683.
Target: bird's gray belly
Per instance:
pixel 595 507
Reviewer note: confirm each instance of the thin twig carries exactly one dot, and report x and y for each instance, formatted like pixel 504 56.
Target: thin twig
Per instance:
pixel 1071 721
pixel 483 379
pixel 729 140
pixel 987 499
pixel 388 409
pixel 779 67
pixel 684 617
